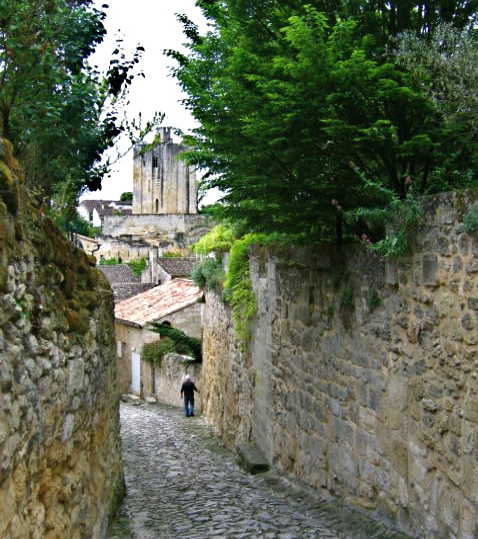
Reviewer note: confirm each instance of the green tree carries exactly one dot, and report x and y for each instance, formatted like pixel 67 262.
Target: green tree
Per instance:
pixel 445 64
pixel 60 113
pixel 127 196
pixel 305 118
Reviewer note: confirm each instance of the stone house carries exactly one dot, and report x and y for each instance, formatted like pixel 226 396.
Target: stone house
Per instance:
pixel 176 302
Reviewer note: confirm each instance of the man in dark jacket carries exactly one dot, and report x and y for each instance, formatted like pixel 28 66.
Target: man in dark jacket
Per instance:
pixel 187 389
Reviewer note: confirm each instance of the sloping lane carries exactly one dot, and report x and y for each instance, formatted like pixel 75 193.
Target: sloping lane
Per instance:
pixel 182 483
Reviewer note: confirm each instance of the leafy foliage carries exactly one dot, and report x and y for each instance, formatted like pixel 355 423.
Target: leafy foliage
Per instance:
pixel 238 286
pixel 109 261
pixel 137 266
pixel 126 196
pixel 73 224
pixel 293 99
pixel 182 343
pixel 172 254
pixel 217 240
pixel 208 273
pixel 60 113
pixel 470 219
pixel 445 64
pixel 154 352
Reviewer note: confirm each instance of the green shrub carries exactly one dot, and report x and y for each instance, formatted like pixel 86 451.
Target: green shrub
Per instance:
pixel 154 352
pixel 208 273
pixel 109 261
pixel 137 266
pixel 181 342
pixel 219 240
pixel 172 254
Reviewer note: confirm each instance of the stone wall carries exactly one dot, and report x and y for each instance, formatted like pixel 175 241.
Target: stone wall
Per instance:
pixel 61 472
pixel 362 375
pixel 170 375
pixel 134 236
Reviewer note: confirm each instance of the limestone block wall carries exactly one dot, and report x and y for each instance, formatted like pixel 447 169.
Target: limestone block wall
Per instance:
pixel 135 236
pixel 176 228
pixel 60 454
pixel 227 375
pixel 162 182
pixel 362 375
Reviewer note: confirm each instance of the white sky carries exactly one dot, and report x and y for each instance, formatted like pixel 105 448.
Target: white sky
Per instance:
pixel 153 24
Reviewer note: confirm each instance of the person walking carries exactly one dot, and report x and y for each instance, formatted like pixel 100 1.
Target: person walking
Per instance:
pixel 187 389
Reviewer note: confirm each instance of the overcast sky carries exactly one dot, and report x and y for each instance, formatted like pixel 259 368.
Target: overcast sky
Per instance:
pixel 153 24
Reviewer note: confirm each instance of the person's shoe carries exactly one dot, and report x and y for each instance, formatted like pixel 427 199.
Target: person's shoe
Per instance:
pixel 192 415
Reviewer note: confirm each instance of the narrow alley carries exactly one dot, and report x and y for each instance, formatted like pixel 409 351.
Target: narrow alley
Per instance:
pixel 182 483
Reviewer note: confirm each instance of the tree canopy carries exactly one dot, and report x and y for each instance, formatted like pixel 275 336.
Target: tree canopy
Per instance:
pixel 308 123
pixel 60 113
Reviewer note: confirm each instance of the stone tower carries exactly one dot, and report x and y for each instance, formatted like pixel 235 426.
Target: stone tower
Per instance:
pixel 162 183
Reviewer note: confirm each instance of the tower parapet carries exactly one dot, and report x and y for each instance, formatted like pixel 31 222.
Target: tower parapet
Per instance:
pixel 162 182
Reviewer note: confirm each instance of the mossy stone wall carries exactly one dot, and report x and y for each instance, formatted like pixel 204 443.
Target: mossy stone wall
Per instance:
pixel 361 378
pixel 60 450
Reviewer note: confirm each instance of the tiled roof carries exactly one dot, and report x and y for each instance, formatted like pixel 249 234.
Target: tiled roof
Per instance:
pixel 119 274
pixel 127 290
pixel 158 302
pixel 178 267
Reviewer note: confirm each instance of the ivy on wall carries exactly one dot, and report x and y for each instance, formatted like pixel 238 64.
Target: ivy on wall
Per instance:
pixel 236 281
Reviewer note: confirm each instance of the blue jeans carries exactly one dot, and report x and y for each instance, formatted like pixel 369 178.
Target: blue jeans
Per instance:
pixel 188 405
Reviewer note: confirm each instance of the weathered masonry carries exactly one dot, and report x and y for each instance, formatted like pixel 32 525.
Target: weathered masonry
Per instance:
pixel 362 375
pixel 164 212
pixel 162 183
pixel 61 470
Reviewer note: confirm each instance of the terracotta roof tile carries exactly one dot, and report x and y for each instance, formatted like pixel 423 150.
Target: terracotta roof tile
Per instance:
pixel 127 290
pixel 158 302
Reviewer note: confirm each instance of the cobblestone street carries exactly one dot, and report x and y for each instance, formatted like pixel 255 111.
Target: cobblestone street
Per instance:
pixel 182 483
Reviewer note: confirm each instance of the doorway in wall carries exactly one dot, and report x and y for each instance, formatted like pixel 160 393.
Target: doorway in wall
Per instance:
pixel 136 373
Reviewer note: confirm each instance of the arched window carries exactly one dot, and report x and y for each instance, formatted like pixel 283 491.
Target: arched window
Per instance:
pixel 157 206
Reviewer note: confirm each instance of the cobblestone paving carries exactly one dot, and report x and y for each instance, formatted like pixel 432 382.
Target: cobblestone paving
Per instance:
pixel 182 483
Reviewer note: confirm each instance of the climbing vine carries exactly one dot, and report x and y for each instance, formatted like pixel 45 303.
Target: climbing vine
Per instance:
pixel 154 352
pixel 236 282
pixel 181 343
pixel 238 286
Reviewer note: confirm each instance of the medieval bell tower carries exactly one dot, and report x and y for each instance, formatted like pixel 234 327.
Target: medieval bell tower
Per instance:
pixel 163 183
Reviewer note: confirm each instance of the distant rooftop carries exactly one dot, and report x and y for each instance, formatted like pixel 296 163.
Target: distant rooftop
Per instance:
pixel 178 267
pixel 157 302
pixel 128 290
pixel 119 274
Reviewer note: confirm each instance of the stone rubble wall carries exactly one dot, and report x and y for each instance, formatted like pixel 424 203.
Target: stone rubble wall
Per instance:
pixel 60 449
pixel 361 378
